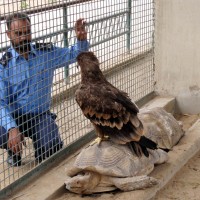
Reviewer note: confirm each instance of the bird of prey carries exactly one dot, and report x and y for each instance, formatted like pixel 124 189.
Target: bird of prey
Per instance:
pixel 109 109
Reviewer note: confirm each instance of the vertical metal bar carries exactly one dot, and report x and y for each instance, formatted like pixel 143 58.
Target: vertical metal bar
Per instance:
pixel 153 43
pixel 153 32
pixel 128 39
pixel 66 43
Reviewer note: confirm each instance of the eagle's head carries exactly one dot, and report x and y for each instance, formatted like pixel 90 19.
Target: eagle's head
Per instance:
pixel 87 61
pixel 89 65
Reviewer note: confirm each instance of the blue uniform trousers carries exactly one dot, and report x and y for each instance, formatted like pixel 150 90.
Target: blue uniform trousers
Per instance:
pixel 43 131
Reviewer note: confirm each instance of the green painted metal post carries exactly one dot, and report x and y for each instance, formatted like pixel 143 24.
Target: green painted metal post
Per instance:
pixel 128 39
pixel 66 44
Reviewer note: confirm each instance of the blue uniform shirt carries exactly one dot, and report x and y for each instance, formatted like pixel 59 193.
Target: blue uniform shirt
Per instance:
pixel 25 85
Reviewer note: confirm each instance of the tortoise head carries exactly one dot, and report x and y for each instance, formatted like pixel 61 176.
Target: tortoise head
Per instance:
pixel 83 183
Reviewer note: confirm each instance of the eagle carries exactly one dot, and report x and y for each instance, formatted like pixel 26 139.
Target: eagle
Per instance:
pixel 109 109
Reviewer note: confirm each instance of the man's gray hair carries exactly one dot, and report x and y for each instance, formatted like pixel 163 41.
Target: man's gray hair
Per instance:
pixel 14 16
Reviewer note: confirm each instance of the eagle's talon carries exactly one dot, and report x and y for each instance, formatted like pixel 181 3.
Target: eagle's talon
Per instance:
pixel 98 140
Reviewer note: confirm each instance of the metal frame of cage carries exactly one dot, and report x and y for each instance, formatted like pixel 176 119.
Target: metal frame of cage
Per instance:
pixel 128 32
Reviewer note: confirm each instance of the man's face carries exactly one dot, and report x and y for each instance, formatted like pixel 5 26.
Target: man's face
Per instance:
pixel 20 35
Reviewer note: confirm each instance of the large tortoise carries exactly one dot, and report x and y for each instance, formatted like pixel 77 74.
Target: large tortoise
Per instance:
pixel 161 127
pixel 108 166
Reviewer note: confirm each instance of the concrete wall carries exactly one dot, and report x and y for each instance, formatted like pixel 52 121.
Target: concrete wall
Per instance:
pixel 177 51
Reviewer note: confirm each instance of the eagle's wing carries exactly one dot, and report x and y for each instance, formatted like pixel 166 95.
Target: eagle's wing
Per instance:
pixel 110 108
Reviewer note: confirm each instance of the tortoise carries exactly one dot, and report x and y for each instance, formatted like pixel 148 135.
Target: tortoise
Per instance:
pixel 108 166
pixel 161 127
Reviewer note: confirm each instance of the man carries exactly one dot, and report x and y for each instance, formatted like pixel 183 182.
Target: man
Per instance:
pixel 26 76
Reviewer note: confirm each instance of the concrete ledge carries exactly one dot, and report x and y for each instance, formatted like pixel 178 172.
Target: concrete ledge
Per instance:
pixel 168 103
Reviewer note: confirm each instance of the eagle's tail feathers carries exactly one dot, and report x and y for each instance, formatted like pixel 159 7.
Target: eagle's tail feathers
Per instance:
pixel 145 142
pixel 138 149
pixel 145 151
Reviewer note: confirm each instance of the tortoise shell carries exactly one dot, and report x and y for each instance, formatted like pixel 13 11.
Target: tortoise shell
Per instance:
pixel 161 127
pixel 115 160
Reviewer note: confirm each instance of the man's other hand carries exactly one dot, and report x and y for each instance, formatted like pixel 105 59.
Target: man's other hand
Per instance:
pixel 15 139
pixel 80 30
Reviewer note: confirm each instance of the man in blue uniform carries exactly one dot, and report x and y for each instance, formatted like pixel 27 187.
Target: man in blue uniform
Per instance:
pixel 26 76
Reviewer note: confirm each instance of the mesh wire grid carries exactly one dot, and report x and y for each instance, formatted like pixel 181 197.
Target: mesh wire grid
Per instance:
pixel 120 33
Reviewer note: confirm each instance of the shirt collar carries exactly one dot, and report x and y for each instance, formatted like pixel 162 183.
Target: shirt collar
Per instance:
pixel 16 55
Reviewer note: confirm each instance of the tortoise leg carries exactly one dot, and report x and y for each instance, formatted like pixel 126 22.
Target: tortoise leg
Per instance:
pixel 134 183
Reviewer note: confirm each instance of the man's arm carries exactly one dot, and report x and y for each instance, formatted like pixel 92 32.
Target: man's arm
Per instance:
pixel 6 119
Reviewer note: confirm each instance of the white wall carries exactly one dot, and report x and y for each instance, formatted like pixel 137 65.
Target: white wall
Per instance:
pixel 177 51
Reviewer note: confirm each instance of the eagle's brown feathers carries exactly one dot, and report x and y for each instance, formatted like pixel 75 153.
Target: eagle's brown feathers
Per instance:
pixel 109 109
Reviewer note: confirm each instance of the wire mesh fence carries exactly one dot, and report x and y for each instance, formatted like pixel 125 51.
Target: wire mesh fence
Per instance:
pixel 38 74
